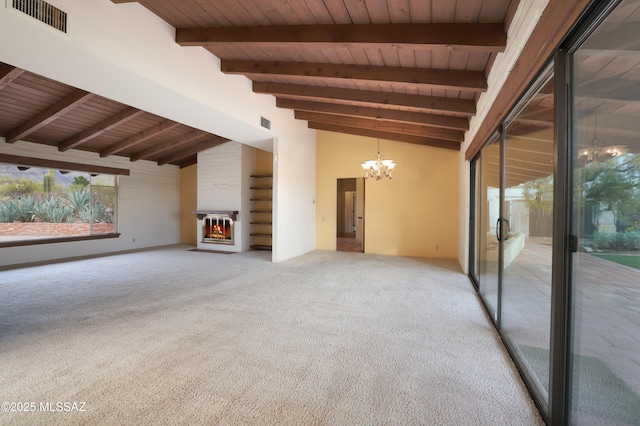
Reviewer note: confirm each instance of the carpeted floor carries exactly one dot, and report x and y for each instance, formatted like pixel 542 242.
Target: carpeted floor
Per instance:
pixel 172 336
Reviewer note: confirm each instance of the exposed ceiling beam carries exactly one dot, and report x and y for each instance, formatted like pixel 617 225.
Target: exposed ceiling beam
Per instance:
pixel 8 74
pixel 441 121
pixel 96 130
pixel 192 149
pixel 438 36
pixel 427 103
pixel 189 161
pixel 139 137
pixel 384 126
pixel 48 115
pixel 470 81
pixel 373 133
pixel 174 143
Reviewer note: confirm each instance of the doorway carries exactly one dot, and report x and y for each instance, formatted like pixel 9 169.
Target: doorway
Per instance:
pixel 350 215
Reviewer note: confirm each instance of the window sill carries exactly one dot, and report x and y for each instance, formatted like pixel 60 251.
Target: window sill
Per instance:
pixel 19 243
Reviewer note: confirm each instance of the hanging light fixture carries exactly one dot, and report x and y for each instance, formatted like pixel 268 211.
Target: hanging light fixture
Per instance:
pixel 598 150
pixel 379 167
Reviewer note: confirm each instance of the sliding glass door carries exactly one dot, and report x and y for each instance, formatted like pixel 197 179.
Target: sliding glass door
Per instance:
pixel 527 209
pixel 487 215
pixel 604 367
pixel 556 225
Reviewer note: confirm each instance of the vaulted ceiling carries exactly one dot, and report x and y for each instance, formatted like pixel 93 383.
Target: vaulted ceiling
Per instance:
pixel 410 71
pixel 404 70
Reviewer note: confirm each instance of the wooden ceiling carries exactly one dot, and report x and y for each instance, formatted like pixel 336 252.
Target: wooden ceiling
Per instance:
pixel 408 70
pixel 40 110
pixel 404 70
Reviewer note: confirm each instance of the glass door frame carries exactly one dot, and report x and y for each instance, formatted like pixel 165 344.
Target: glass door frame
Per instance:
pixel 555 411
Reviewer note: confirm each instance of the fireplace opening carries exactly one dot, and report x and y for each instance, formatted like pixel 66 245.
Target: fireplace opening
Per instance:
pixel 217 229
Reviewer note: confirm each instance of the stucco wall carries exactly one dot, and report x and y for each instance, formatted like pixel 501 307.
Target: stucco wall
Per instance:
pixel 414 214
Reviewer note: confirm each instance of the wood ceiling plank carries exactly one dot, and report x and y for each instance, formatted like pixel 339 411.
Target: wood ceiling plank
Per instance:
pixel 437 143
pixel 384 126
pixel 45 117
pixel 139 137
pixel 318 12
pixel 378 11
pixel 97 129
pixel 445 79
pixel 192 149
pixel 440 121
pixel 174 143
pixel 338 11
pixel 8 73
pixel 400 12
pixel 254 12
pixel 469 11
pixel 428 103
pixel 421 10
pixel 443 37
pixel 358 12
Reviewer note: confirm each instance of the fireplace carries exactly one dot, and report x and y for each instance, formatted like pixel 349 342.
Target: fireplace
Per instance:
pixel 217 226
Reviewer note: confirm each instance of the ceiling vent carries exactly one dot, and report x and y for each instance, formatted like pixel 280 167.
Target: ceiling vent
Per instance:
pixel 265 123
pixel 43 12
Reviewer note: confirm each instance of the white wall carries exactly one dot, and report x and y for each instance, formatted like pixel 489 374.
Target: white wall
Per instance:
pixel 148 207
pixel 125 53
pixel 294 207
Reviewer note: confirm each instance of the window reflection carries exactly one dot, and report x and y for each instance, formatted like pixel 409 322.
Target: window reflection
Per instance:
pixel 605 368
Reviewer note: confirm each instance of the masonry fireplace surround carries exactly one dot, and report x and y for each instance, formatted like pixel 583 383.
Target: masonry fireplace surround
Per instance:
pixel 217 226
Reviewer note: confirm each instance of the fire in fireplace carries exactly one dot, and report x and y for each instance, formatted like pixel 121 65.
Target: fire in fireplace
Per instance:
pixel 217 228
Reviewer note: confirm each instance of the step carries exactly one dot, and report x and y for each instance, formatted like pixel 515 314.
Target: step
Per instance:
pixel 261 187
pixel 261 176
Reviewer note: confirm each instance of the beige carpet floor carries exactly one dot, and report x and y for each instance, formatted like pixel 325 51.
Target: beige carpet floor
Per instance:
pixel 172 336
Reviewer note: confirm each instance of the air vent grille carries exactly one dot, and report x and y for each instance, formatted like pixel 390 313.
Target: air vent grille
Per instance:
pixel 44 12
pixel 265 123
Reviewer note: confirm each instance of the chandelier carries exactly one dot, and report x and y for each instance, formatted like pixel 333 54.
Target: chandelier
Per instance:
pixel 379 167
pixel 598 150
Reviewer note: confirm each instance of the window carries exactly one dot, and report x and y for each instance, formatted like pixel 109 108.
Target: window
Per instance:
pixel 38 203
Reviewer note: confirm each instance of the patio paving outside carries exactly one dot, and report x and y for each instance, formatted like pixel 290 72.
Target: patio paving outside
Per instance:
pixel 606 333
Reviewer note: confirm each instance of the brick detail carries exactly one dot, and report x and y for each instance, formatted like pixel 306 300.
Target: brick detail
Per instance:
pixel 44 229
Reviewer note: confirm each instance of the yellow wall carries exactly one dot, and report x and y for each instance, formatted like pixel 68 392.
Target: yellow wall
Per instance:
pixel 414 214
pixel 188 203
pixel 264 162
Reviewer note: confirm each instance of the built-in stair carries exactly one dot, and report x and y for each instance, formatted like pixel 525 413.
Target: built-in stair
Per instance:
pixel 261 224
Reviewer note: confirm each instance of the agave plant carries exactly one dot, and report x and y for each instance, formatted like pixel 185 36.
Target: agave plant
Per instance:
pixel 79 198
pixel 54 211
pixel 25 209
pixel 7 211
